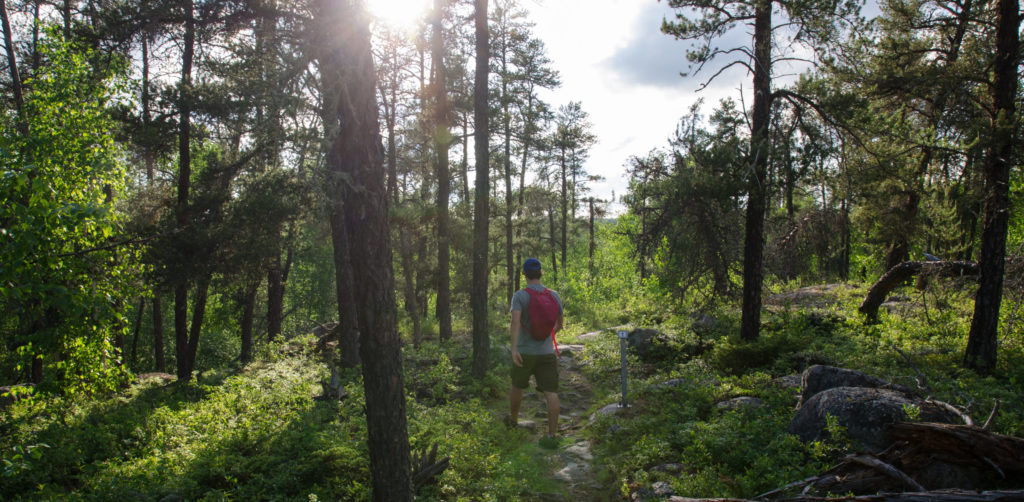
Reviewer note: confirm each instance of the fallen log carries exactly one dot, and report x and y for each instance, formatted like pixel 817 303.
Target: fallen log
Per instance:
pixel 901 273
pixel 932 496
pixel 888 470
pixel 964 444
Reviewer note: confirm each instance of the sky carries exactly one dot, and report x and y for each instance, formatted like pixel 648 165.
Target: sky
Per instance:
pixel 613 58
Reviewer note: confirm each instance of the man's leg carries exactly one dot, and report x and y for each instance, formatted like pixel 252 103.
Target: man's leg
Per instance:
pixel 515 398
pixel 553 410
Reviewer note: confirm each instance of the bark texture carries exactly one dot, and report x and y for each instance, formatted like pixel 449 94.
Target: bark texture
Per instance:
pixel 983 339
pixel 355 163
pixel 753 244
pixel 481 336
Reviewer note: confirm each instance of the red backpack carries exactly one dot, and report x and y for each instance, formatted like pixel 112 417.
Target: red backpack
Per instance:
pixel 543 313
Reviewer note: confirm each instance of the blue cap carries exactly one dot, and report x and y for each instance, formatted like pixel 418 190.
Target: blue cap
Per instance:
pixel 531 264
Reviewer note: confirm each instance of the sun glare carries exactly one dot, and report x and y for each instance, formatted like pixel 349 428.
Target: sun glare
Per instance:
pixel 398 14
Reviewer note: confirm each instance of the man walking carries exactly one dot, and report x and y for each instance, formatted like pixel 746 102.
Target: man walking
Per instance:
pixel 536 317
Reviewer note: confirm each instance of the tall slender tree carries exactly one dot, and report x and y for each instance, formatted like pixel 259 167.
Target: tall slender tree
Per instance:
pixel 181 332
pixel 355 164
pixel 442 142
pixel 481 210
pixel 983 339
pixel 811 22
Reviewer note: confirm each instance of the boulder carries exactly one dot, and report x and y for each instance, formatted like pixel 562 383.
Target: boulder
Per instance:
pixel 789 381
pixel 642 340
pixel 740 403
pixel 662 489
pixel 864 412
pixel 611 409
pixel 818 378
pixel 702 323
pixel 674 468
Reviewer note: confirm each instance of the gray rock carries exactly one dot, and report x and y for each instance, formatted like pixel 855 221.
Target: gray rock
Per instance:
pixel 642 495
pixel 672 468
pixel 702 323
pixel 789 381
pixel 663 489
pixel 529 425
pixel 675 382
pixel 581 450
pixel 642 340
pixel 573 472
pixel 818 378
pixel 864 412
pixel 611 409
pixel 740 403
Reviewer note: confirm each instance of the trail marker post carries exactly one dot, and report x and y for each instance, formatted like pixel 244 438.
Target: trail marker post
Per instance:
pixel 623 334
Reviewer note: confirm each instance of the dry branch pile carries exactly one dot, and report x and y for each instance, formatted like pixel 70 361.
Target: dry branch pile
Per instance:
pixel 949 460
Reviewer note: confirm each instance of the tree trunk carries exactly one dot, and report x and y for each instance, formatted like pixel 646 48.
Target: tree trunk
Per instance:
pixel 348 320
pixel 135 332
pixel 506 120
pixel 248 313
pixel 903 272
pixel 36 23
pixel 411 304
pixel 590 268
pixel 983 339
pixel 522 194
pixel 275 295
pixel 565 207
pixel 66 16
pixel 753 245
pixel 465 159
pixel 184 177
pixel 554 243
pixel 481 216
pixel 442 140
pixel 355 155
pixel 158 334
pixel 12 68
pixel 198 316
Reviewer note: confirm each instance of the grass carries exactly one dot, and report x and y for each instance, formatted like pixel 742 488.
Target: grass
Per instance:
pixel 258 434
pixel 742 453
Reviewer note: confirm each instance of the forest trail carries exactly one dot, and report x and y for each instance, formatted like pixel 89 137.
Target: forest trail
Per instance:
pixel 571 466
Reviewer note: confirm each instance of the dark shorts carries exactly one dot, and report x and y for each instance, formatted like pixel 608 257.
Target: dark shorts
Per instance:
pixel 543 367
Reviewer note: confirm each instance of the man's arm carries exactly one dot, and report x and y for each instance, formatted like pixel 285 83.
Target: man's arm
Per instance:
pixel 558 324
pixel 513 331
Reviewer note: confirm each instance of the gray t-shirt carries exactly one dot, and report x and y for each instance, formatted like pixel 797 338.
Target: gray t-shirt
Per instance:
pixel 526 344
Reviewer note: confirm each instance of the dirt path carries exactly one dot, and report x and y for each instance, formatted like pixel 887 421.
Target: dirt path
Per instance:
pixel 571 465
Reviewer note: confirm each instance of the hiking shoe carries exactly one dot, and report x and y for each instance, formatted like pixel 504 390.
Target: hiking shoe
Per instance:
pixel 550 442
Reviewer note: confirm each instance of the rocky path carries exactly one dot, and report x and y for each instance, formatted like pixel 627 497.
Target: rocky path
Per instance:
pixel 572 463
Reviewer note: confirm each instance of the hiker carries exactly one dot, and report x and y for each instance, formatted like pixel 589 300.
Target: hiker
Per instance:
pixel 536 317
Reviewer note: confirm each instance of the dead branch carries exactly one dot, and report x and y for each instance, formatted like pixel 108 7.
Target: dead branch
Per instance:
pixel 888 470
pixel 426 467
pixel 991 416
pixel 964 444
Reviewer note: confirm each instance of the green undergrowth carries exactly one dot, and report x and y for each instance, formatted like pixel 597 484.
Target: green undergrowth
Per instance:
pixel 259 434
pixel 675 432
